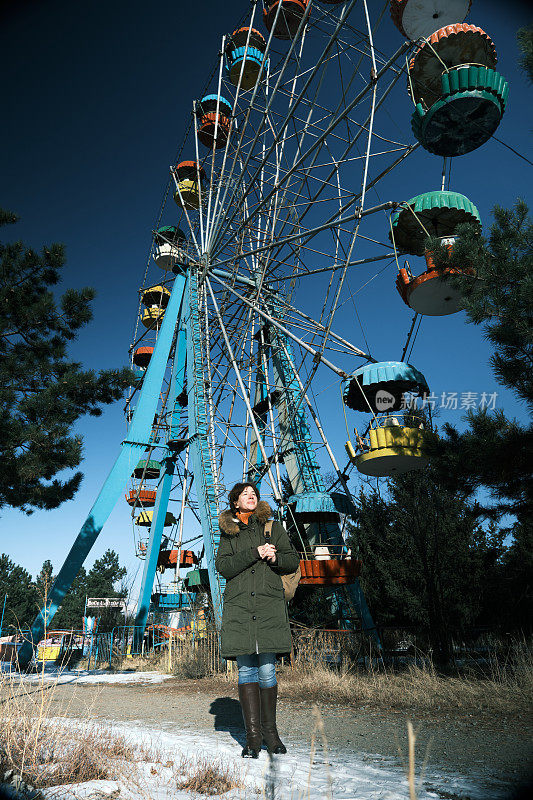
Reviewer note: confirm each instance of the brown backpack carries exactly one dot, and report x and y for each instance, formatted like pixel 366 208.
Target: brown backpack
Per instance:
pixel 290 581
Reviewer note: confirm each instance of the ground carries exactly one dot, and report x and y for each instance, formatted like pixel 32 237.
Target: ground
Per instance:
pixel 492 752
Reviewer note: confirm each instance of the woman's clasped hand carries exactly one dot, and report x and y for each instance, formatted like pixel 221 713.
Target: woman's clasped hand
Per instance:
pixel 267 551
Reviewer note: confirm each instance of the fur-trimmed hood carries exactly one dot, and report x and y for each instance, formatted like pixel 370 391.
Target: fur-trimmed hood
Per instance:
pixel 229 524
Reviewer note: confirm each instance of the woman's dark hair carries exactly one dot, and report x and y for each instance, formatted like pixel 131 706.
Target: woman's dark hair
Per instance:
pixel 236 491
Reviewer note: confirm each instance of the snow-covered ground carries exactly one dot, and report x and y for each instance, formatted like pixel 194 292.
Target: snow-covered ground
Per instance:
pixel 301 774
pixel 298 775
pixel 52 674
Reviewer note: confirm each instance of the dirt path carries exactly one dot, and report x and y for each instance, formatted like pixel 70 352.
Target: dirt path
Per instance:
pixel 495 751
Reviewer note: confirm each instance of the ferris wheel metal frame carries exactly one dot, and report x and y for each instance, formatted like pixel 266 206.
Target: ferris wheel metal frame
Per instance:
pixel 230 307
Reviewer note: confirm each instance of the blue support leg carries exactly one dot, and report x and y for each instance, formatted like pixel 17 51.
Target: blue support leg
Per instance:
pixel 357 604
pixel 163 494
pixel 131 449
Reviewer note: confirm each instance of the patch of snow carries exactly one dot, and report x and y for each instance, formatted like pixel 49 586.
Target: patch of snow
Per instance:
pixel 90 790
pixel 58 675
pixel 300 773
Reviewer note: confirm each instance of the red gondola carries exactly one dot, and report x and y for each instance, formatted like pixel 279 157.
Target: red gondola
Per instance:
pixel 289 17
pixel 433 292
pixel 213 114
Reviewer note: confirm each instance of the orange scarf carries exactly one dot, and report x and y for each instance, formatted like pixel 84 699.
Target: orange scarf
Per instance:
pixel 244 516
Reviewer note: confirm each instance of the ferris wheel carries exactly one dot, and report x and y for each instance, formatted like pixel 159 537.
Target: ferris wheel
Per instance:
pixel 266 214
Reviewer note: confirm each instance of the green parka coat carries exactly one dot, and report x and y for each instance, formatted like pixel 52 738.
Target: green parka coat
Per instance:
pixel 254 615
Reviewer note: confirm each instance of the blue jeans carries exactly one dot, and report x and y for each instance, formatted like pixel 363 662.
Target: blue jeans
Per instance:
pixel 257 668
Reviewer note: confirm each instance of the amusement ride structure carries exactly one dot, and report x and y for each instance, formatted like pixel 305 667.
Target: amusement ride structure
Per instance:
pixel 257 235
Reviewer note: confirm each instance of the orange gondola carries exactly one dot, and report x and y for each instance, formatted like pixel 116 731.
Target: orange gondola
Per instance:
pixel 142 356
pixel 433 292
pixel 448 47
pixel 245 50
pixel 329 571
pixel 169 558
pixel 143 497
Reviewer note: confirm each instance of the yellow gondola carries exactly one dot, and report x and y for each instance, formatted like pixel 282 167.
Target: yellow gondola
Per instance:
pixel 156 296
pixel 146 516
pixel 152 317
pixel 391 449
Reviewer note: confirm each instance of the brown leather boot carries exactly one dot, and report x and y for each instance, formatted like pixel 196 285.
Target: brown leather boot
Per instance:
pixel 251 713
pixel 271 738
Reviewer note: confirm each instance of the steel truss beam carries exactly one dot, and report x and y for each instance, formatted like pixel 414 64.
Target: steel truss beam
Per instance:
pixel 200 450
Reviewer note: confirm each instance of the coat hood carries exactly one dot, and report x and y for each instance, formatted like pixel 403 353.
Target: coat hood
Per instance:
pixel 229 524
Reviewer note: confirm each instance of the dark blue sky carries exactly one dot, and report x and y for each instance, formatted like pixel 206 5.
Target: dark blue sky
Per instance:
pixel 96 99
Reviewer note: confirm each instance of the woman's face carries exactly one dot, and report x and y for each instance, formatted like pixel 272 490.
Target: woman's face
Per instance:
pixel 247 500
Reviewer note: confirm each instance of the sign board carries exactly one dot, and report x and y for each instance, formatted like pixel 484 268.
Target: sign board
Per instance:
pixel 106 602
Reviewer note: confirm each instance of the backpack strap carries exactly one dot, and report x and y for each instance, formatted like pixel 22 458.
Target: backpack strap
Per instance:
pixel 267 532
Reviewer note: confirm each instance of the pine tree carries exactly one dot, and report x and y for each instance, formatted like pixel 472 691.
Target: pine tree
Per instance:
pixel 382 564
pixel 102 578
pixel 100 581
pixel 42 392
pixel 22 600
pixel 70 614
pixel 421 548
pixel 525 44
pixel 44 580
pixel 494 452
pixel 515 591
pixel 104 574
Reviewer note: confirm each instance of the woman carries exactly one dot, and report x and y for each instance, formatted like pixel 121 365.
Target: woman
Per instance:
pixel 255 623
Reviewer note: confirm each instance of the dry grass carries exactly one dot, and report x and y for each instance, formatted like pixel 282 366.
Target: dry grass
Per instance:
pixel 153 662
pixel 505 687
pixel 504 684
pixel 207 776
pixel 45 753
pixel 192 662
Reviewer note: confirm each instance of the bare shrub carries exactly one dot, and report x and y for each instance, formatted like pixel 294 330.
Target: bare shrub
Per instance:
pixel 207 776
pixel 47 753
pixel 192 661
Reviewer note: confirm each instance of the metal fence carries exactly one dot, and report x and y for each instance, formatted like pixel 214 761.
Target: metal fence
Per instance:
pixel 194 653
